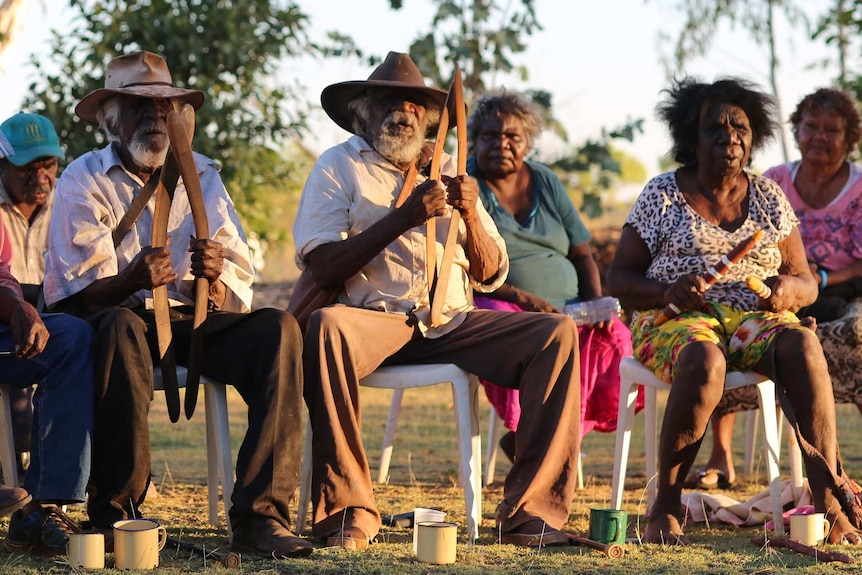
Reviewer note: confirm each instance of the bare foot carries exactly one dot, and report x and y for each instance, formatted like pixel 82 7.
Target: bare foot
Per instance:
pixel 664 529
pixel 842 531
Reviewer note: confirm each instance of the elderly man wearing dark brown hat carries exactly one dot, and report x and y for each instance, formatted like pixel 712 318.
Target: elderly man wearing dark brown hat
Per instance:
pixel 109 283
pixel 350 232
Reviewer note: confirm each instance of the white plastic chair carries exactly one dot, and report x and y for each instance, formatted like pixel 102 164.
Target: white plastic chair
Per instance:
pixel 494 429
pixel 7 442
pixel 398 378
pixel 633 373
pixel 219 460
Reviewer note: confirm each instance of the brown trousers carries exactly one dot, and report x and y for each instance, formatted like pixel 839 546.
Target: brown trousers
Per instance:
pixel 536 353
pixel 258 353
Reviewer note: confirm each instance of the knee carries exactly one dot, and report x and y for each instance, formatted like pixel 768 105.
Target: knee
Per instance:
pixel 702 364
pixel 280 327
pixel 799 351
pixel 121 320
pixel 74 333
pixel 563 330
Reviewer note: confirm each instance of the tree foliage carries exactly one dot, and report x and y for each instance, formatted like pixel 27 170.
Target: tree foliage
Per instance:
pixel 485 37
pixel 230 49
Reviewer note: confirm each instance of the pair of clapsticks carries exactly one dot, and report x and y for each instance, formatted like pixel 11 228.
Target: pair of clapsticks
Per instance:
pixel 713 274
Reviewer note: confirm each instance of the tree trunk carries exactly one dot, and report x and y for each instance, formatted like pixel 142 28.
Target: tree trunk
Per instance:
pixel 773 76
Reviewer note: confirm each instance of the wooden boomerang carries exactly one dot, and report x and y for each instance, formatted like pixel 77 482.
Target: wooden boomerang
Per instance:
pixel 181 147
pixel 161 307
pixel 439 296
pixel 434 174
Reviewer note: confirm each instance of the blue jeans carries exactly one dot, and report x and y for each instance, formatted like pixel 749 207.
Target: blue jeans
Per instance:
pixel 61 437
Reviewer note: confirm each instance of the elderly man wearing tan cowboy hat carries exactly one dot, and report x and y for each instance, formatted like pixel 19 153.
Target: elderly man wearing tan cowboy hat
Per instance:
pixel 348 232
pixel 109 285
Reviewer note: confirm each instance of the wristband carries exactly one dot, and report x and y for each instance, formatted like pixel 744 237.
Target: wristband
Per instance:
pixel 823 277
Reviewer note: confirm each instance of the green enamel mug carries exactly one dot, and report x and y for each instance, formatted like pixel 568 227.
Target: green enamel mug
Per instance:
pixel 608 525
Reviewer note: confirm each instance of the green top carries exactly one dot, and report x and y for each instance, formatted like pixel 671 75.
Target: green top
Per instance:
pixel 538 246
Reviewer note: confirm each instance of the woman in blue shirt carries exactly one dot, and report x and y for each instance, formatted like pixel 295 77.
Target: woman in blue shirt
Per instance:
pixel 551 262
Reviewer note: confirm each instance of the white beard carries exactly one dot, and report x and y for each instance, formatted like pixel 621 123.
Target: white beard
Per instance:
pixel 149 144
pixel 399 149
pixel 145 157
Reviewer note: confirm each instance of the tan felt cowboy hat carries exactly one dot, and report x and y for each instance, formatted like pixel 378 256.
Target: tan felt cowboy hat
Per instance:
pixel 139 74
pixel 397 73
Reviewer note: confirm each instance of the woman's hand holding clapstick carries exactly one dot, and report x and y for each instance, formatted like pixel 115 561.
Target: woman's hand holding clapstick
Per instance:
pixel 756 285
pixel 763 291
pixel 713 274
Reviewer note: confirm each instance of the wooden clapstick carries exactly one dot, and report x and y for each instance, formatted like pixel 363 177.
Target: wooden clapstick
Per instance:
pixel 611 550
pixel 802 549
pixel 713 274
pixel 756 285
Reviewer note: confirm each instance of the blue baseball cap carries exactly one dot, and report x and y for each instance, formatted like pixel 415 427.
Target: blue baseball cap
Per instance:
pixel 32 136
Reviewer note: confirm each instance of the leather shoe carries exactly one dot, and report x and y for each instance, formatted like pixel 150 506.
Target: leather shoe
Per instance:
pixel 44 530
pixel 267 537
pixel 349 537
pixel 12 499
pixel 535 533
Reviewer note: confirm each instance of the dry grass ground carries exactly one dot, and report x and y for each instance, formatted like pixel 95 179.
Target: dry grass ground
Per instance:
pixel 424 473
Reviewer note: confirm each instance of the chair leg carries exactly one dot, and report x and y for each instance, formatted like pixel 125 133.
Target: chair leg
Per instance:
pixel 470 441
pixel 219 458
pixel 625 419
pixel 7 442
pixel 304 481
pixel 580 484
pixel 491 450
pixel 651 442
pixel 389 436
pixel 766 392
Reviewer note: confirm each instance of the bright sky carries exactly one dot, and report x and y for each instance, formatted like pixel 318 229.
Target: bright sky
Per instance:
pixel 600 60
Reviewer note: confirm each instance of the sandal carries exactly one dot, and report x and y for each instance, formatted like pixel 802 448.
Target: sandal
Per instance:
pixel 352 537
pixel 535 533
pixel 708 478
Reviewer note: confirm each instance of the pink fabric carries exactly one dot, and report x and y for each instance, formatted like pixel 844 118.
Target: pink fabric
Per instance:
pixel 601 351
pixel 6 279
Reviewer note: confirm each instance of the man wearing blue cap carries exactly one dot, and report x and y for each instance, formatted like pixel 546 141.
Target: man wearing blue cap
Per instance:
pixel 27 180
pixel 64 418
pixel 27 177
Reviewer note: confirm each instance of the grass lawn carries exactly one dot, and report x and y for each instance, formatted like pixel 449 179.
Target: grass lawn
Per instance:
pixel 424 474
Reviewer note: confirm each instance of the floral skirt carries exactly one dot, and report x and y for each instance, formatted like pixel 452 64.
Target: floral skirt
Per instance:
pixel 743 336
pixel 842 345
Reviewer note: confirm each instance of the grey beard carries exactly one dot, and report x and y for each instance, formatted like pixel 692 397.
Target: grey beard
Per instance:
pixel 146 157
pixel 398 149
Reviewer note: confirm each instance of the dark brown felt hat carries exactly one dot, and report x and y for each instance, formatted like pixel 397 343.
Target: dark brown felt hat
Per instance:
pixel 397 73
pixel 140 74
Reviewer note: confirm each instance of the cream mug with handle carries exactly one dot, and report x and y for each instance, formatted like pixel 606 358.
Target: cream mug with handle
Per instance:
pixel 86 550
pixel 809 529
pixel 137 543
